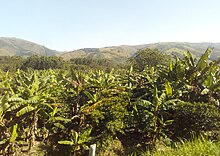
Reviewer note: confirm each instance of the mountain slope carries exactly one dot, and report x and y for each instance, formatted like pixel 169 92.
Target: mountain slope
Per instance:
pixel 118 54
pixel 121 53
pixel 180 48
pixel 19 47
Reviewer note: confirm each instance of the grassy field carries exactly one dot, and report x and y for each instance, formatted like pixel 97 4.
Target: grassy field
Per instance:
pixel 197 147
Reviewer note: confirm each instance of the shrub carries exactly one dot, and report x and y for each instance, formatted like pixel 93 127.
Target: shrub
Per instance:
pixel 195 118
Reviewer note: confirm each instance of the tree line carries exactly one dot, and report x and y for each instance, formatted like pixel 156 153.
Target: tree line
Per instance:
pixel 150 57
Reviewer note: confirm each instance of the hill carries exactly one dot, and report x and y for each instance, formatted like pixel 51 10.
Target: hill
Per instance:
pixel 19 47
pixel 179 48
pixel 121 53
pixel 115 53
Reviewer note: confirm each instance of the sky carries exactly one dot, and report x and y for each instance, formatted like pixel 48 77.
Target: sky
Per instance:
pixel 73 24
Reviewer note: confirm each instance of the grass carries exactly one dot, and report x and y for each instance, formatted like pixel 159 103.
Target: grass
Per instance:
pixel 197 147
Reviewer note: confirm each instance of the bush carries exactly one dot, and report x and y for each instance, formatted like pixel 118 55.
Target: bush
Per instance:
pixel 195 118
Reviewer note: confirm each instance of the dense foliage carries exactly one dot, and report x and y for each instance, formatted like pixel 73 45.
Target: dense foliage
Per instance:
pixel 12 63
pixel 149 57
pixel 62 111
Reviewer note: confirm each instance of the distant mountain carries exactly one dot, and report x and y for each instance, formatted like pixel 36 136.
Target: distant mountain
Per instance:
pixel 115 53
pixel 121 53
pixel 118 54
pixel 179 48
pixel 18 47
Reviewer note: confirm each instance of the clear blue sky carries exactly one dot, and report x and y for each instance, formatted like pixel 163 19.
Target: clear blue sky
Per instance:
pixel 72 24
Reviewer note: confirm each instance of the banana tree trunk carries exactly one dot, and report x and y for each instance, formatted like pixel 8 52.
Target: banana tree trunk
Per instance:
pixel 33 130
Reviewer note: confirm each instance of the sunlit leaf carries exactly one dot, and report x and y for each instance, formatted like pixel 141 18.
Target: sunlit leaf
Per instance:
pixel 25 110
pixel 66 142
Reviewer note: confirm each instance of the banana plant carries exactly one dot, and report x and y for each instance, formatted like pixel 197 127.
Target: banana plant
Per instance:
pixel 78 141
pixel 9 145
pixel 34 96
pixel 194 80
pixel 102 88
pixel 76 83
pixel 154 115
pixel 54 120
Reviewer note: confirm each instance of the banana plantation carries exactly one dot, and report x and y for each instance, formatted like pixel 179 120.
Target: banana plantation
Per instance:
pixel 123 112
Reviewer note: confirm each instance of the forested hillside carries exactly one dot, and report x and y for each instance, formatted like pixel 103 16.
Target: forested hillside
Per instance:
pixel 19 47
pixel 116 54
pixel 121 53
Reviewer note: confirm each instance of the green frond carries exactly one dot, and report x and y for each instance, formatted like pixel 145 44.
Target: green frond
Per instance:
pixel 25 110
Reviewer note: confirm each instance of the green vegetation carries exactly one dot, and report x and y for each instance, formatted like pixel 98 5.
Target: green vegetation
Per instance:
pixel 149 57
pixel 114 54
pixel 42 62
pixel 47 105
pixel 199 146
pixel 18 47
pixel 14 63
pixel 122 53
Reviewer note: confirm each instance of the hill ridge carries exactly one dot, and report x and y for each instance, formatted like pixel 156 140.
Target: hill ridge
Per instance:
pixel 12 46
pixel 122 52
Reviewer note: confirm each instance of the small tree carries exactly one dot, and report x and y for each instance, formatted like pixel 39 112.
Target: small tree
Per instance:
pixel 150 57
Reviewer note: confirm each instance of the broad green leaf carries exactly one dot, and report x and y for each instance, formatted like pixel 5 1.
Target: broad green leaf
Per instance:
pixel 31 101
pixel 34 85
pixel 15 99
pixel 131 70
pixel 3 141
pixel 84 136
pixel 4 105
pixel 162 98
pixel 172 101
pixel 144 102
pixel 208 81
pixel 168 122
pixel 59 125
pixel 66 142
pixel 15 106
pixel 59 118
pixel 75 136
pixel 156 100
pixel 46 106
pixel 25 110
pixel 14 133
pixel 202 63
pixel 90 96
pixel 190 59
pixel 169 89
pixel 54 112
pixel 171 66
